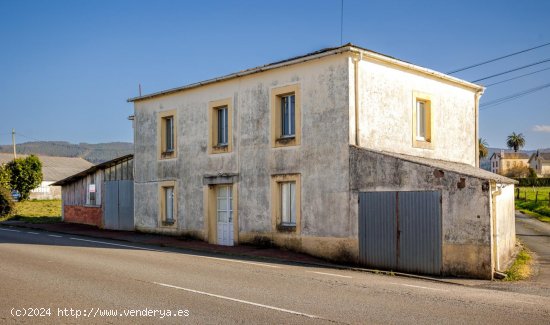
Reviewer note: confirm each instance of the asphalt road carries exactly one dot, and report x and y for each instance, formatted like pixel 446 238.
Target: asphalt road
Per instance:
pixel 536 236
pixel 77 279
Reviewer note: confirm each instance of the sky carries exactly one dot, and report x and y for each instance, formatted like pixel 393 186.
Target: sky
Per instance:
pixel 67 67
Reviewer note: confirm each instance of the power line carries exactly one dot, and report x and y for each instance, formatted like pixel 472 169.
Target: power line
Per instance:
pixel 496 59
pixel 516 69
pixel 512 97
pixel 521 76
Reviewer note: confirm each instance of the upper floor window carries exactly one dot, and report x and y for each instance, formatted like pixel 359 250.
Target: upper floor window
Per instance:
pixel 286 116
pixel 220 126
pixel 167 134
pixel 422 121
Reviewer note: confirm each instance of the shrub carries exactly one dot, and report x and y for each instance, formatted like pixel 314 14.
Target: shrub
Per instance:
pixel 26 174
pixel 7 207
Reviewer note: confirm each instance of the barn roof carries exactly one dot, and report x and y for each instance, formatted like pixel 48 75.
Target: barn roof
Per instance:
pixel 83 173
pixel 54 168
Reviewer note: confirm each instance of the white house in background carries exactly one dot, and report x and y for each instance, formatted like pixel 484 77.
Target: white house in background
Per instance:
pixel 540 162
pixel 53 170
pixel 503 162
pixel 343 153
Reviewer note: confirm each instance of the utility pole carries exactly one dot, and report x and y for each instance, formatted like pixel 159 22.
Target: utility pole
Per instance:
pixel 13 142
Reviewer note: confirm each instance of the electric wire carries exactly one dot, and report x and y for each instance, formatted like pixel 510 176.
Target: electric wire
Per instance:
pixel 501 100
pixel 514 78
pixel 512 70
pixel 499 58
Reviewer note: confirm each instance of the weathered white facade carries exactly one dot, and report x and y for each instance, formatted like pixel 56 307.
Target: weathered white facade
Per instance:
pixel 540 162
pixel 347 98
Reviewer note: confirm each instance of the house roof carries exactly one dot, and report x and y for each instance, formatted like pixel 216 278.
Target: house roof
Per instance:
pixel 54 168
pixel 544 156
pixel 90 170
pixel 511 155
pixel 459 168
pixel 317 55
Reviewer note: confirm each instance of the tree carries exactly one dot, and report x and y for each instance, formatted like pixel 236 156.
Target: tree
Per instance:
pixel 483 148
pixel 515 141
pixel 5 177
pixel 26 174
pixel 6 204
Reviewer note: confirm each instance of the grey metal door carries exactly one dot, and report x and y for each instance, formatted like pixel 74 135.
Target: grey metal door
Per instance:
pixel 126 205
pixel 110 215
pixel 119 205
pixel 401 231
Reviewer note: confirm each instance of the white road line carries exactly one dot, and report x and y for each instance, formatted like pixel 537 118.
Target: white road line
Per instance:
pixel 420 287
pixel 119 245
pixel 56 236
pixel 157 250
pixel 332 274
pixel 238 300
pixel 237 261
pixel 10 230
pixel 32 233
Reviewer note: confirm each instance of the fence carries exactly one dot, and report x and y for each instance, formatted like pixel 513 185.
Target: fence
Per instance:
pixel 534 194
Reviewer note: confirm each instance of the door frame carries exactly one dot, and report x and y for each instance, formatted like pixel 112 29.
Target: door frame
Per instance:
pixel 211 212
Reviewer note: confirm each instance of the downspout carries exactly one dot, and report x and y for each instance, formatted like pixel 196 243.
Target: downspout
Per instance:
pixel 495 191
pixel 356 60
pixel 476 109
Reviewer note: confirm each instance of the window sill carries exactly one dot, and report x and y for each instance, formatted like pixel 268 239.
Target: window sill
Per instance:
pixel 220 148
pixel 167 155
pixel 286 228
pixel 285 141
pixel 423 144
pixel 166 223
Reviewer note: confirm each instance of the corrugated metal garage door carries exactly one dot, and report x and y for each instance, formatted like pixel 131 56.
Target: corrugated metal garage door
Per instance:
pixel 401 231
pixel 119 205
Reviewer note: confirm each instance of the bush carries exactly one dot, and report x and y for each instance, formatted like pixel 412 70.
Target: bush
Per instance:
pixel 26 174
pixel 7 207
pixel 537 182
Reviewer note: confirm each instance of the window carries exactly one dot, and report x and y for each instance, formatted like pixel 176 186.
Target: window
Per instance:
pixel 288 203
pixel 285 116
pixel 220 124
pixel 167 206
pixel 285 205
pixel 167 141
pixel 422 121
pixel 91 190
pixel 288 119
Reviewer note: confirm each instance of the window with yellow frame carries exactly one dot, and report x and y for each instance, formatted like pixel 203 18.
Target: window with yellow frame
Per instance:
pixel 422 136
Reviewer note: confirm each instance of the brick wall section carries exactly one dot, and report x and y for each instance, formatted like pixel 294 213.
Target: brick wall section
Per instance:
pixel 82 214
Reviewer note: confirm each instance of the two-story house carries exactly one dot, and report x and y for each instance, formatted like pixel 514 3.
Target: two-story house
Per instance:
pixel 342 153
pixel 506 163
pixel 540 162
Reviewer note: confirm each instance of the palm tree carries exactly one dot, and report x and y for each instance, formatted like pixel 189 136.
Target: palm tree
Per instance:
pixel 515 141
pixel 483 148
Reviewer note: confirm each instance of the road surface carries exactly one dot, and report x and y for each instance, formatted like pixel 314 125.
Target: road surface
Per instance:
pixel 65 278
pixel 535 235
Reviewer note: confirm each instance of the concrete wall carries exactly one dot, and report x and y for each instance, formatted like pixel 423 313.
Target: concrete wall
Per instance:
pixel 46 192
pixel 386 113
pixel 83 214
pixel 321 159
pixel 505 228
pixel 466 216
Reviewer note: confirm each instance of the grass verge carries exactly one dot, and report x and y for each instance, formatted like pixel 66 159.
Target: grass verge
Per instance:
pixel 521 269
pixel 538 210
pixel 37 211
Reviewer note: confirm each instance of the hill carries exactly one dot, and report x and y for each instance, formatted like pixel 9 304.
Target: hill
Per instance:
pixel 94 153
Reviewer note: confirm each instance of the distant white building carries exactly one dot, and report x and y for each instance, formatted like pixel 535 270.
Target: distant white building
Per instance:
pixel 540 162
pixel 53 170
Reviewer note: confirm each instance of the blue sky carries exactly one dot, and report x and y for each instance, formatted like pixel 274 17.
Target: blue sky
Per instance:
pixel 67 67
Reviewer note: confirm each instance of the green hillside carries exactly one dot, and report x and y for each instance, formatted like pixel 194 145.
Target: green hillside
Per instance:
pixel 94 153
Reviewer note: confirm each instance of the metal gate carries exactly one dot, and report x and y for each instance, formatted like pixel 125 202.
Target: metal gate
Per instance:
pixel 401 231
pixel 119 205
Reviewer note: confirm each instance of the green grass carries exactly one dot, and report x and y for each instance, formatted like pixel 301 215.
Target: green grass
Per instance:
pixel 531 193
pixel 521 269
pixel 539 209
pixel 37 211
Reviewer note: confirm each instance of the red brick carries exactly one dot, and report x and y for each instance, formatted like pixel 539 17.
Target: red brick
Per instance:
pixel 83 214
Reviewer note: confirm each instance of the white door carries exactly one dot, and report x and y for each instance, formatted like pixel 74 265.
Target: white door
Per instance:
pixel 225 215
